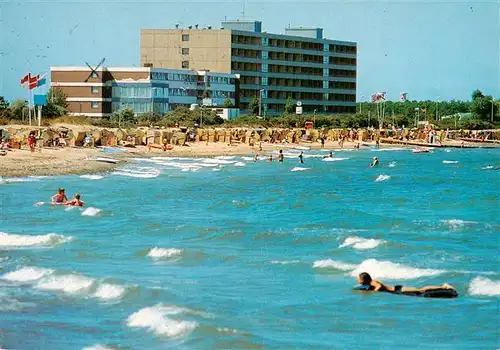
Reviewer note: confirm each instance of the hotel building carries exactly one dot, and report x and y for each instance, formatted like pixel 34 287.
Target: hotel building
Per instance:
pixel 101 92
pixel 300 64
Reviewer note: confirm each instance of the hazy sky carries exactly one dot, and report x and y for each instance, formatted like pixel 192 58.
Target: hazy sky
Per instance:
pixel 426 48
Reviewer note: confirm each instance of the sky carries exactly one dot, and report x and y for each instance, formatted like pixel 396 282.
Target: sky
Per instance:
pixel 433 50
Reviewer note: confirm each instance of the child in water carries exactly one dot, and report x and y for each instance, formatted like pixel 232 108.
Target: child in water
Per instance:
pixel 76 202
pixel 374 163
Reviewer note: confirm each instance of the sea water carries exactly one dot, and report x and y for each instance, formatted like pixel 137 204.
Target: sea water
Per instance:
pixel 226 253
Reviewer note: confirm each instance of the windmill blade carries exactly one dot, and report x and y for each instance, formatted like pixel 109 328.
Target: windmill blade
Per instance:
pixel 102 61
pixel 88 65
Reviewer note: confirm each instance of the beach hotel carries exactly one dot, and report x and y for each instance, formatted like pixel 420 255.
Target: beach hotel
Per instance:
pixel 102 91
pixel 300 64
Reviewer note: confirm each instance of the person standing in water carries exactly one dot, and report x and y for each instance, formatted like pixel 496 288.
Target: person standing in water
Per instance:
pixel 301 158
pixel 280 156
pixel 374 163
pixel 59 197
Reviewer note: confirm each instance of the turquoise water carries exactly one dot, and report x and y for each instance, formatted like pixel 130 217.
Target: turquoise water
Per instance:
pixel 254 255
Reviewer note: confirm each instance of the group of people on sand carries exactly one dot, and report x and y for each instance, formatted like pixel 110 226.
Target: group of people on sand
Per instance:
pixel 60 199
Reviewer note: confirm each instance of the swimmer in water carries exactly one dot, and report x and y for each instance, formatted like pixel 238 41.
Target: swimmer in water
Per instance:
pixel 366 280
pixel 301 158
pixel 255 158
pixel 76 202
pixel 270 158
pixel 329 156
pixel 374 163
pixel 59 197
pixel 280 156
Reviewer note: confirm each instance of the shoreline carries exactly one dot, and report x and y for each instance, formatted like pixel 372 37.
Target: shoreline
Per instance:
pixel 74 160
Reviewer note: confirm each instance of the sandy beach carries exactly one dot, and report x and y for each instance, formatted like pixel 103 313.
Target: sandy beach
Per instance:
pixel 74 160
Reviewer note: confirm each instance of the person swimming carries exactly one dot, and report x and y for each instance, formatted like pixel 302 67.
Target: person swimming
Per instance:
pixel 270 158
pixel 59 197
pixel 76 202
pixel 374 163
pixel 301 158
pixel 329 155
pixel 365 280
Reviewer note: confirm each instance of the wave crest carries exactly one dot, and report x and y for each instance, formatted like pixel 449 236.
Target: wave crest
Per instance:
pixel 361 243
pixel 155 320
pixel 160 253
pixel 484 286
pixel 12 240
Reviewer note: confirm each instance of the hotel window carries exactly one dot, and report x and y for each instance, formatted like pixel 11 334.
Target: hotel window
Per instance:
pixel 185 64
pixel 95 105
pixel 95 89
pixel 185 37
pixel 185 51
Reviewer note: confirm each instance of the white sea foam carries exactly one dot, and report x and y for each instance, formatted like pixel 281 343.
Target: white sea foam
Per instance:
pixel 27 274
pixel 455 224
pixel 447 150
pixel 297 168
pixel 21 179
pixel 388 149
pixel 450 161
pixel 92 177
pixel 160 253
pixel 390 270
pixel 108 291
pixel 484 286
pixel 239 164
pixel 216 169
pixel 217 161
pixel 139 172
pixel 155 319
pixel 333 159
pixel 392 164
pixel 285 262
pixel 361 243
pixel 225 157
pixel 70 284
pixel 381 178
pixel 338 265
pixel 91 211
pixel 247 158
pixel 227 330
pixel 98 347
pixel 19 241
pixel 379 269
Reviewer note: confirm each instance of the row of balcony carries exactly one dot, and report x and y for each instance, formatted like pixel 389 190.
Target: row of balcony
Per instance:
pixel 291 44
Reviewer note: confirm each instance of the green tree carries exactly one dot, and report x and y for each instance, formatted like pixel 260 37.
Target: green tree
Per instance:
pixel 57 97
pixel 253 106
pixel 228 103
pixel 124 116
pixel 289 106
pixel 3 104
pixel 482 106
pixel 476 94
pixel 17 107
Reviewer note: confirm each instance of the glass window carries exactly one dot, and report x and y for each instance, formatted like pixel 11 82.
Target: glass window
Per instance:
pixel 185 51
pixel 185 37
pixel 94 89
pixel 95 105
pixel 185 64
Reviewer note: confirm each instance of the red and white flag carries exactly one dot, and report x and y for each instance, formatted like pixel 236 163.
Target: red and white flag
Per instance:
pixel 34 81
pixel 378 97
pixel 403 96
pixel 25 80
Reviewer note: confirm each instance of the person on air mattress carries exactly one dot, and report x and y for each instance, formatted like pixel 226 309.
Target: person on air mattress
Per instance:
pixel 368 284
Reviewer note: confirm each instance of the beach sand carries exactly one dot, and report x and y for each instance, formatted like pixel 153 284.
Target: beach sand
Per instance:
pixel 73 160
